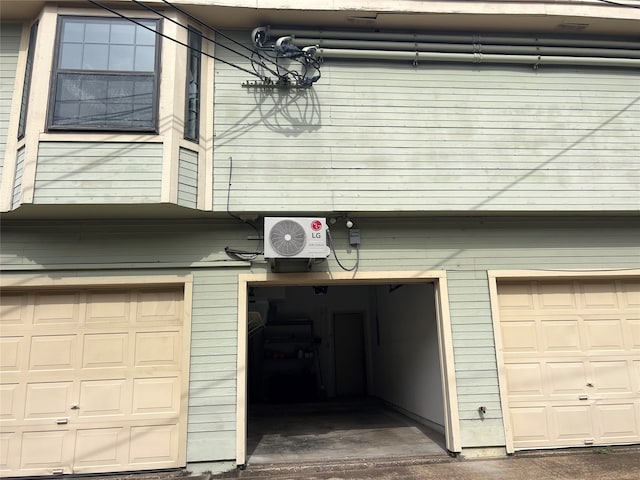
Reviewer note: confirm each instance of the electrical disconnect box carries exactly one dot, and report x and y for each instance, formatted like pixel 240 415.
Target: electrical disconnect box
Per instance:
pixel 354 236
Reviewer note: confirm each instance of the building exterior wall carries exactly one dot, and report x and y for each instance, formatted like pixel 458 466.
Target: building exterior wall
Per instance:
pixel 465 248
pixel 188 178
pixel 392 136
pixel 98 172
pixel 10 35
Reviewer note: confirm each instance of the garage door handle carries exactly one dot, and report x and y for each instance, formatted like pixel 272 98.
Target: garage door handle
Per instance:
pixel 62 421
pixel 583 397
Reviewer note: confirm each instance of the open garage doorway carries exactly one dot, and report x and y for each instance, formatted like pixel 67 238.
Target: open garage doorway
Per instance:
pixel 345 369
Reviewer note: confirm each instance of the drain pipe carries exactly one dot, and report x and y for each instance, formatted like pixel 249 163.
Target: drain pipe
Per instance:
pixel 535 60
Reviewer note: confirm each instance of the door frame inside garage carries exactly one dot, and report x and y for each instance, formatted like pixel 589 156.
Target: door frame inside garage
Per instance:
pixel 495 276
pixel 445 343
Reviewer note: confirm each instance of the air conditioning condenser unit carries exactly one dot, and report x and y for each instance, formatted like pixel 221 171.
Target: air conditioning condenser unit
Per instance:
pixel 295 237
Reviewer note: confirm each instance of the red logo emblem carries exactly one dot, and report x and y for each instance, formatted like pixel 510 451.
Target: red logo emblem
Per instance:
pixel 316 225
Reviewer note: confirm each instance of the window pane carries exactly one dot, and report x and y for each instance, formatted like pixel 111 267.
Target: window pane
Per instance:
pixel 72 31
pixel 93 113
pixel 123 34
pixel 145 36
pixel 97 32
pixel 119 98
pixel 71 55
pixel 95 57
pixel 104 101
pixel 121 57
pixel 145 59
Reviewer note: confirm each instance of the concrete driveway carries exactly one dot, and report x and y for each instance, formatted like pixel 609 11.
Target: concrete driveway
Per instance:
pixel 617 463
pixel 592 464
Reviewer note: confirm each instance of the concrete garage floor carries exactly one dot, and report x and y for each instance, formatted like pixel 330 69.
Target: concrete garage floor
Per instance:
pixel 335 431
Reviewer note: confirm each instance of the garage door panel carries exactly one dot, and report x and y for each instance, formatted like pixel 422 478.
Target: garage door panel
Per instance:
pixel 105 350
pixel 566 378
pixel 48 400
pixel 160 308
pixel 561 336
pixel 618 423
pixel 556 296
pixel 572 422
pixel 598 295
pixel 8 449
pixel 153 445
pixel 611 377
pixel 101 449
pixel 630 292
pixel 530 425
pixel 52 352
pixel 604 334
pixel 108 307
pixel 520 337
pixel 588 355
pixel 13 351
pixel 100 398
pixel 92 381
pixel 11 402
pixel 634 337
pixel 44 451
pixel 525 380
pixel 156 396
pixel 13 310
pixel 56 309
pixel 158 349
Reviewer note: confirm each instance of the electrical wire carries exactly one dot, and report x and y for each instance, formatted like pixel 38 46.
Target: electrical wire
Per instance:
pixel 281 78
pixel 333 249
pixel 97 4
pixel 232 252
pixel 618 4
pixel 159 13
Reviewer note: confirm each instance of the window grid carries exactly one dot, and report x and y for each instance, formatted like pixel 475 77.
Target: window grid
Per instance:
pixel 105 75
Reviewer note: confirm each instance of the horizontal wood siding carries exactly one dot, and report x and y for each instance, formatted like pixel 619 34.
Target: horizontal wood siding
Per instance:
pixel 387 136
pixel 17 179
pixel 465 247
pixel 9 49
pixel 188 178
pixel 86 172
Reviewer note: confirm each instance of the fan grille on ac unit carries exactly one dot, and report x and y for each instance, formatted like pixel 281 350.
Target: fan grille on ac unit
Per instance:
pixel 287 238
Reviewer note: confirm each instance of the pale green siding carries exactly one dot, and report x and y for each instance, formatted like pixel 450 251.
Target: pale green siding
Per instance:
pixel 387 136
pixel 17 179
pixel 84 172
pixel 188 178
pixel 9 49
pixel 466 248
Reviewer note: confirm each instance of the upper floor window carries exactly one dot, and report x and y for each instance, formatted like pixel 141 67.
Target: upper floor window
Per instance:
pixel 192 115
pixel 26 86
pixel 105 75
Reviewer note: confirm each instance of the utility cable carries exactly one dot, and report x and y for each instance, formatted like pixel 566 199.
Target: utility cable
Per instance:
pixel 618 4
pixel 333 249
pixel 218 32
pixel 247 57
pixel 97 4
pixel 232 252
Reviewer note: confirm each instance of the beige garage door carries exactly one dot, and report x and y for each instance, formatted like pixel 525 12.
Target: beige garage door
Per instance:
pixel 572 361
pixel 92 381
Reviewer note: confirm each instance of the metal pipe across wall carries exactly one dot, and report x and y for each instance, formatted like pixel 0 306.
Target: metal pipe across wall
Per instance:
pixel 454 38
pixel 464 48
pixel 476 58
pixel 467 48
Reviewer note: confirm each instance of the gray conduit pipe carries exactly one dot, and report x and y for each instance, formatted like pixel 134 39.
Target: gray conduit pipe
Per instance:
pixel 467 48
pixel 476 58
pixel 449 38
